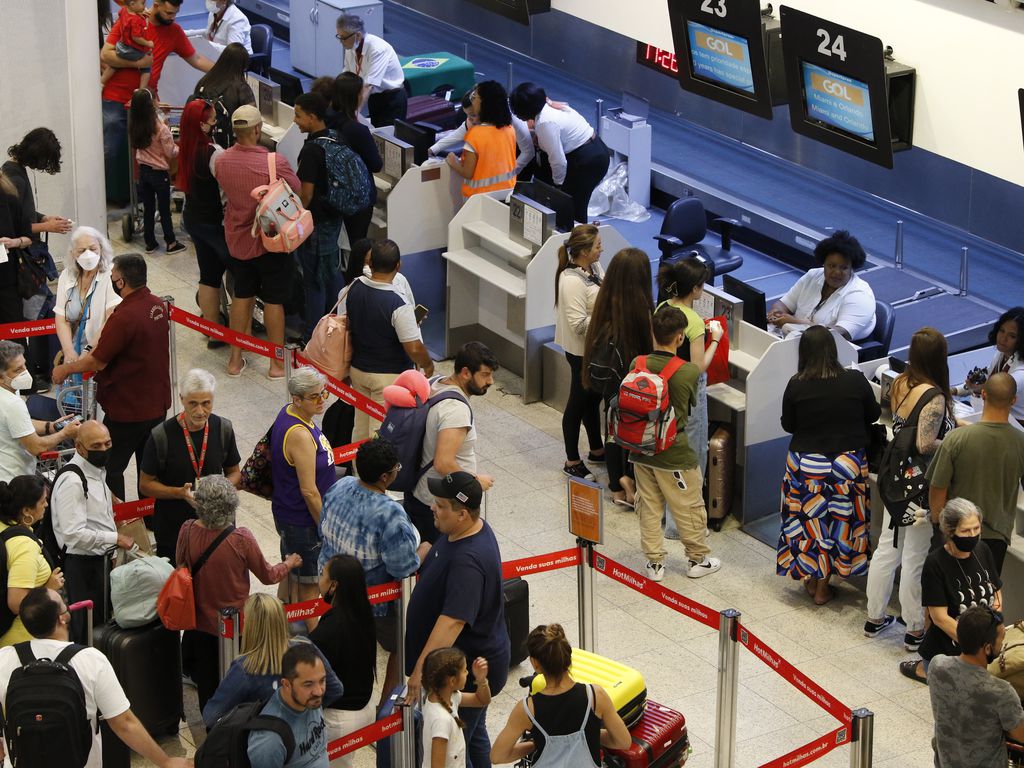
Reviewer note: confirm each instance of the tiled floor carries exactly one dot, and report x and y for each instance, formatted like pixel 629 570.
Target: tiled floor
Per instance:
pixel 520 445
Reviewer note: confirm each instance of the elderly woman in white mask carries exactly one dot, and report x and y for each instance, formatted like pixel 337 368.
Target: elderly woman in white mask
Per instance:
pixel 85 295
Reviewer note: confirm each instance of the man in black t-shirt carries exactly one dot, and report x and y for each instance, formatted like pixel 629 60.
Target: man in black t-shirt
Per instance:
pixel 319 256
pixel 171 464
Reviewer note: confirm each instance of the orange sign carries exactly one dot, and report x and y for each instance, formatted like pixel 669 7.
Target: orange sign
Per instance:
pixel 586 510
pixel 837 89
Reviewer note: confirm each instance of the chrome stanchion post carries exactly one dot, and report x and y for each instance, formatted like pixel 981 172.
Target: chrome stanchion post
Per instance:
pixel 509 88
pixel 227 649
pixel 728 682
pixel 465 51
pixel 598 114
pixel 88 398
pixel 898 255
pixel 963 271
pixel 585 596
pixel 862 738
pixel 289 361
pixel 172 349
pixel 403 744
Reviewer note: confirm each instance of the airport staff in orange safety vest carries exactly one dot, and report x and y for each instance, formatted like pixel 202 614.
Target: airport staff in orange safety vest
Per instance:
pixel 488 162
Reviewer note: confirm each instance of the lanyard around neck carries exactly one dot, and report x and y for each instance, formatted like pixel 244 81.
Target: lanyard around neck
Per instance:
pixel 197 466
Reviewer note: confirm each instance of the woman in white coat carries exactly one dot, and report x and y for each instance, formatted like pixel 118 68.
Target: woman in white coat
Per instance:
pixel 226 24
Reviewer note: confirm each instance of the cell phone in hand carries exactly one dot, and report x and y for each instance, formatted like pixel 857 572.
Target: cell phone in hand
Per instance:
pixel 421 313
pixel 61 423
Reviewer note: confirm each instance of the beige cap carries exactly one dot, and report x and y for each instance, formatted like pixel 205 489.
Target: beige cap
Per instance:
pixel 246 116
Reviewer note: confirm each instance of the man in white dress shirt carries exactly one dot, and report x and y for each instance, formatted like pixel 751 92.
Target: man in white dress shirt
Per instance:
pixel 374 60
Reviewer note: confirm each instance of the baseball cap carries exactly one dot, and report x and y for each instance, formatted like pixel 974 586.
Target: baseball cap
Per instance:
pixel 461 486
pixel 246 116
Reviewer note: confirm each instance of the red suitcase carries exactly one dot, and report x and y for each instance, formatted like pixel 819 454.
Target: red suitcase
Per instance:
pixel 659 741
pixel 433 110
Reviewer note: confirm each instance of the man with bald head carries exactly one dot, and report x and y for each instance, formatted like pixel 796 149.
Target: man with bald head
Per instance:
pixel 984 463
pixel 83 522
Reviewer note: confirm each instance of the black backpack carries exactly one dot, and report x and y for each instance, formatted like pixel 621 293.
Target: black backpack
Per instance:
pixel 901 472
pixel 223 133
pixel 7 616
pixel 55 552
pixel 46 724
pixel 606 369
pixel 227 743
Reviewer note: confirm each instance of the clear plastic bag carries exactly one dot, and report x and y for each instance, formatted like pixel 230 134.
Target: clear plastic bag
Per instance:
pixel 610 198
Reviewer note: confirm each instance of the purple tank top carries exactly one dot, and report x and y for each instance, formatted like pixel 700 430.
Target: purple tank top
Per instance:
pixel 287 503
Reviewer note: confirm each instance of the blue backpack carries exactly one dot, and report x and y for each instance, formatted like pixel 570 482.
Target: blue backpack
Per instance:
pixel 405 428
pixel 349 186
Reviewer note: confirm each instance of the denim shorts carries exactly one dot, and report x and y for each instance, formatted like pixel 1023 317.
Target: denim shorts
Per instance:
pixel 303 540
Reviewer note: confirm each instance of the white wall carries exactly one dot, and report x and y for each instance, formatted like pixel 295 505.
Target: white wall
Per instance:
pixel 969 57
pixel 50 65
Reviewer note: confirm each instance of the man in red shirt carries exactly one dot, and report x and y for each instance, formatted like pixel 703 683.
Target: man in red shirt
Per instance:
pixel 239 170
pixel 133 360
pixel 167 38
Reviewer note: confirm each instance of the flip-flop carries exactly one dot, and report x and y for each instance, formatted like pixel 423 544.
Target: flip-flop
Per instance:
pixel 624 503
pixel 276 378
pixel 909 669
pixel 240 370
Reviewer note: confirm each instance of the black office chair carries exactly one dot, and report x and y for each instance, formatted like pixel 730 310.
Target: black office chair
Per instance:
pixel 876 345
pixel 684 229
pixel 262 49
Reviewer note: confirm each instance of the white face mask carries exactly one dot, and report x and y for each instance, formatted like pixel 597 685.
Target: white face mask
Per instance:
pixel 212 6
pixel 22 381
pixel 367 271
pixel 88 260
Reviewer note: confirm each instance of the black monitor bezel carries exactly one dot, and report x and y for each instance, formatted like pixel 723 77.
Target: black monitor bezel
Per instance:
pixel 425 139
pixel 748 309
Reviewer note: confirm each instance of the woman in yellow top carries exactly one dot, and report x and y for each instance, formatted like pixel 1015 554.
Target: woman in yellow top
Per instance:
pixel 488 162
pixel 22 504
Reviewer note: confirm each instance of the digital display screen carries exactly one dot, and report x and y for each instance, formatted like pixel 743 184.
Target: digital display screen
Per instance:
pixel 656 58
pixel 837 101
pixel 720 57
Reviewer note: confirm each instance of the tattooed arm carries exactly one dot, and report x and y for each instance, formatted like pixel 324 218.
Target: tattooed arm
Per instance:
pixel 929 425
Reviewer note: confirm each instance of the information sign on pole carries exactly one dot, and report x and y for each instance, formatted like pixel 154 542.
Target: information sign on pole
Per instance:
pixel 586 510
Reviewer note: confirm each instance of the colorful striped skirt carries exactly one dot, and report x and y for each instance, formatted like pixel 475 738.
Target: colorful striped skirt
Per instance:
pixel 826 519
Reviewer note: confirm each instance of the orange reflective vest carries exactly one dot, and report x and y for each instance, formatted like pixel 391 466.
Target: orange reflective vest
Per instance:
pixel 495 150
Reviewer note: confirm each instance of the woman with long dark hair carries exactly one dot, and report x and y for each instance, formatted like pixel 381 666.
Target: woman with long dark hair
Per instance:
pixel 157 156
pixel 225 87
pixel 203 217
pixel 619 331
pixel 902 543
pixel 347 638
pixel 826 519
pixel 488 163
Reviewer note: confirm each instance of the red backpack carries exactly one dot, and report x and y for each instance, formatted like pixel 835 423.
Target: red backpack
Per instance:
pixel 176 603
pixel 641 418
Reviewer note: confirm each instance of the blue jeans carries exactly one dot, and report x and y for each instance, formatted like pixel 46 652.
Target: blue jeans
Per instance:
pixel 115 132
pixel 478 742
pixel 318 258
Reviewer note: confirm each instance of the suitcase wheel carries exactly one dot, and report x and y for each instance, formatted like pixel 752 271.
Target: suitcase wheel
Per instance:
pixel 715 524
pixel 127 228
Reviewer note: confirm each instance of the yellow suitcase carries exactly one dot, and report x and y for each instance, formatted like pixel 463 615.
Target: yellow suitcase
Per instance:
pixel 624 685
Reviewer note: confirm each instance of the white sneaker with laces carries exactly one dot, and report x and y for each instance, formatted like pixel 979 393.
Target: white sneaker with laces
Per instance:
pixel 704 567
pixel 655 571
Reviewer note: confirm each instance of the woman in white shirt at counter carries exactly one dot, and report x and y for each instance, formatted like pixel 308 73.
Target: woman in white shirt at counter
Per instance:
pixel 1007 338
pixel 832 296
pixel 576 154
pixel 226 24
pixel 577 282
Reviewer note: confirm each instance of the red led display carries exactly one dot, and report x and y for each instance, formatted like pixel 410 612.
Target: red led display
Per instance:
pixel 657 59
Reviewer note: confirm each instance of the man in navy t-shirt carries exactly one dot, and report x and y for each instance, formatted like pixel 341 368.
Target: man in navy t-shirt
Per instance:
pixel 458 600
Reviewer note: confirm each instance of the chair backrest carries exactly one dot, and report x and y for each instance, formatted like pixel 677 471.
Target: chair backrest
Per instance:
pixel 876 345
pixel 685 219
pixel 262 37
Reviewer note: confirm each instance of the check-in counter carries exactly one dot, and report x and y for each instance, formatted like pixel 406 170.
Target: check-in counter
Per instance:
pixel 500 281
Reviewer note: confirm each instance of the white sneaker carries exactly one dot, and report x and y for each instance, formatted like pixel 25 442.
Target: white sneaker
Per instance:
pixel 704 567
pixel 655 571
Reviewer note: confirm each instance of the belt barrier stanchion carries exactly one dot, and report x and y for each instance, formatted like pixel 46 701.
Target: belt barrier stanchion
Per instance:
pixel 585 596
pixel 728 682
pixel 173 351
pixel 403 743
pixel 963 271
pixel 88 398
pixel 898 255
pixel 509 84
pixel 289 362
pixel 863 736
pixel 598 114
pixel 228 649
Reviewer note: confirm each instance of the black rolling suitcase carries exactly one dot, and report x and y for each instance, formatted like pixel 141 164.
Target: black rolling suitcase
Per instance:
pixel 517 616
pixel 147 662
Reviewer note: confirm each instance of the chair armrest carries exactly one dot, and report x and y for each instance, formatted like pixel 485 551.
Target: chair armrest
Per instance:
pixel 669 240
pixel 724 227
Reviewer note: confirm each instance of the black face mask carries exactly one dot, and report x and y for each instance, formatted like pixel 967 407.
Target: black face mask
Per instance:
pixel 113 284
pixel 991 656
pixel 329 595
pixel 966 543
pixel 98 458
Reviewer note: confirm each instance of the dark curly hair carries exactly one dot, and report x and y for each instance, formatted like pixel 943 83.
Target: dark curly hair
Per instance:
pixel 843 243
pixel 39 150
pixel 1017 315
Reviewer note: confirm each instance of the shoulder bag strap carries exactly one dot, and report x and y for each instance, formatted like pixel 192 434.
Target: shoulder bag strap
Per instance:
pixel 69 652
pixel 272 165
pixel 24 650
pixel 926 398
pixel 210 549
pixel 670 368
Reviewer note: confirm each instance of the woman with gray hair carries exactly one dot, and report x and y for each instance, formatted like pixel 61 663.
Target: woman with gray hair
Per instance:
pixel 85 296
pixel 958 575
pixel 220 557
pixel 302 469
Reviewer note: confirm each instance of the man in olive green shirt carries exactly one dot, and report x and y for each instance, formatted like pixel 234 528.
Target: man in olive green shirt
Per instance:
pixel 983 463
pixel 672 476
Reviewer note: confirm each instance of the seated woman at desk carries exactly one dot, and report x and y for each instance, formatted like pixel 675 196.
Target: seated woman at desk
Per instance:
pixel 488 163
pixel 826 522
pixel 832 295
pixel 226 24
pixel 1007 339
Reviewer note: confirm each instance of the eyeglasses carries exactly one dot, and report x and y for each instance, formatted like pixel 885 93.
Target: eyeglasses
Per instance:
pixel 323 395
pixel 343 38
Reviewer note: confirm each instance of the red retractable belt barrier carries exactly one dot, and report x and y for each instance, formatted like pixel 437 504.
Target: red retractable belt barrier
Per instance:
pixel 344 392
pixel 234 338
pixel 129 510
pixel 381 729
pixel 345 453
pixel 27 328
pixel 566 558
pixel 811 751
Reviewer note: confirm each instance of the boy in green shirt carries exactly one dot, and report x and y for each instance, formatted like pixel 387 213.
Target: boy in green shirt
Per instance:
pixel 672 477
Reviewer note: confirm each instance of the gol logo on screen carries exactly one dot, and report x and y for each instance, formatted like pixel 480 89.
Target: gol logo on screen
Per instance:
pixel 719 46
pixel 837 90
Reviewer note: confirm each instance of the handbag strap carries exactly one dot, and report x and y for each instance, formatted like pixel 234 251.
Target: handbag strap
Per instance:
pixel 341 297
pixel 922 401
pixel 272 164
pixel 210 549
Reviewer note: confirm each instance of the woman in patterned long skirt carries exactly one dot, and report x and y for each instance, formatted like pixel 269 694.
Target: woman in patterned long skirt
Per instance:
pixel 825 516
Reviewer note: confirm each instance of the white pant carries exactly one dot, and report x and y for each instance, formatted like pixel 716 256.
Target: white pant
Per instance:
pixel 342 722
pixel 914 541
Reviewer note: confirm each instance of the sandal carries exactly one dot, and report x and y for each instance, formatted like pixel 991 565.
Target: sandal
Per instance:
pixel 909 669
pixel 623 502
pixel 240 370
